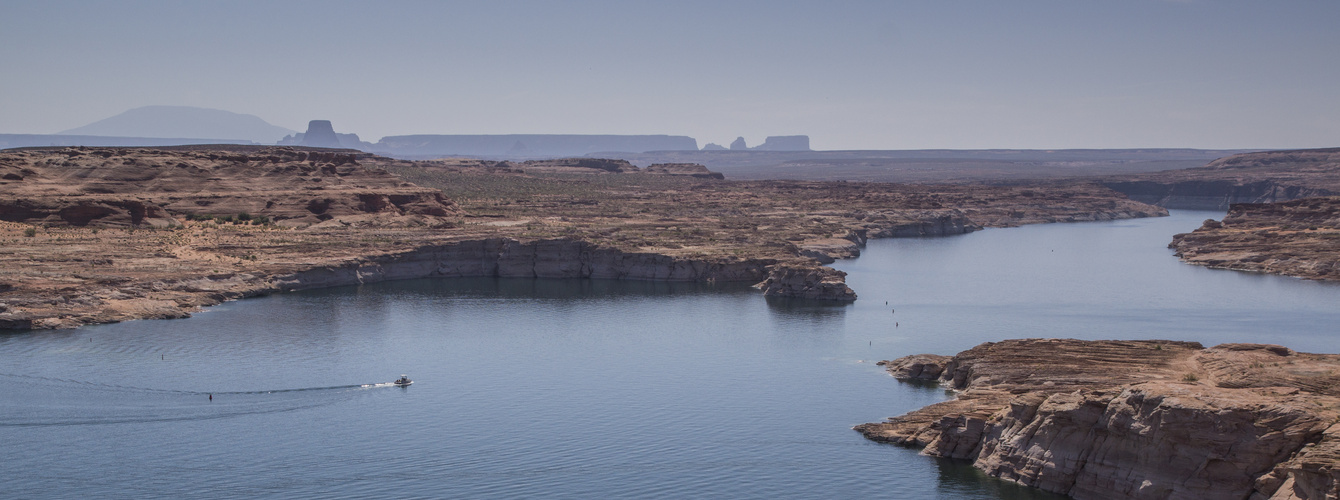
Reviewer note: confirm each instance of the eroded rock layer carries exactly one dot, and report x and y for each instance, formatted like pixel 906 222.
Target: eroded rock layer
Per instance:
pixel 1134 419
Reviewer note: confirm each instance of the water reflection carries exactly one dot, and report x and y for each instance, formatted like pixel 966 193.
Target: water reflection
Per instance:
pixel 960 478
pixel 536 289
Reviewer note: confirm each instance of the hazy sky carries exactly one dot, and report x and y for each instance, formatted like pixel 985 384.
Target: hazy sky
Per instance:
pixel 852 75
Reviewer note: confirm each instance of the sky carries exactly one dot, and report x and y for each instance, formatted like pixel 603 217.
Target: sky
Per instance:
pixel 964 74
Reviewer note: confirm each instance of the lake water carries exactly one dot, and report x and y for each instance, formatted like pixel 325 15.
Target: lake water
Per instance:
pixel 581 389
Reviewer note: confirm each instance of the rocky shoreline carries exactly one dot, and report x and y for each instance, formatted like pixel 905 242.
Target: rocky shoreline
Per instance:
pixel 1133 419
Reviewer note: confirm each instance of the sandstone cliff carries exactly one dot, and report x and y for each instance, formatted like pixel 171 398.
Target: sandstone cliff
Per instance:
pixel 1134 419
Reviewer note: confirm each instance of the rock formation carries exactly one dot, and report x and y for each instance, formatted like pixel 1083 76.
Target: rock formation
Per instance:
pixel 712 146
pixel 320 134
pixel 1295 238
pixel 738 145
pixel 1133 419
pixel 690 169
pixel 813 283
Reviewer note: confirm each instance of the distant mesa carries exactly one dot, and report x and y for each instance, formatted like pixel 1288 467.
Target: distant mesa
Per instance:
pixel 183 122
pixel 551 145
pixel 738 145
pixel 784 143
pixel 321 134
pixel 712 146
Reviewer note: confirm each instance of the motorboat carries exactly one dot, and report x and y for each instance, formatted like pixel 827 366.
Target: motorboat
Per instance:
pixel 403 381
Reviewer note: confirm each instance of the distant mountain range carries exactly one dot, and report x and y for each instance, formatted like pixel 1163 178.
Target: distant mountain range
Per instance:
pixel 184 121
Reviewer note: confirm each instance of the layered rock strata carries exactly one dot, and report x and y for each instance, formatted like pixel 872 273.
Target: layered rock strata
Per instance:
pixel 1133 419
pixel 1298 238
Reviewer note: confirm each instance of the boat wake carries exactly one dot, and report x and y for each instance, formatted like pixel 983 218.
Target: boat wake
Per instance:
pixel 36 401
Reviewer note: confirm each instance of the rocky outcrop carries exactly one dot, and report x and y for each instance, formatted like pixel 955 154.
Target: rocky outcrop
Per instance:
pixel 82 211
pixel 1297 238
pixel 917 366
pixel 694 170
pixel 577 166
pixel 738 144
pixel 1133 419
pixel 1266 177
pixel 811 283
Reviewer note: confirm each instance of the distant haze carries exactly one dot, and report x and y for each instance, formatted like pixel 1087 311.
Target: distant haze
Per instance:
pixel 859 74
pixel 184 121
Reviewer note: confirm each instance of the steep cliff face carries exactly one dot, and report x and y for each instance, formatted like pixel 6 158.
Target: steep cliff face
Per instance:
pixel 510 258
pixel 945 225
pixel 1137 420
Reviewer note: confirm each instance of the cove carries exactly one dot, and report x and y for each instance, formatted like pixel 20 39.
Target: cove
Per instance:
pixel 582 388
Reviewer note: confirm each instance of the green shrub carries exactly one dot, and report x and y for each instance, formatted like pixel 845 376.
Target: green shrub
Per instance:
pixel 30 232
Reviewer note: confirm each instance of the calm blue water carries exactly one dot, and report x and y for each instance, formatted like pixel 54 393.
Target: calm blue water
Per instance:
pixel 580 389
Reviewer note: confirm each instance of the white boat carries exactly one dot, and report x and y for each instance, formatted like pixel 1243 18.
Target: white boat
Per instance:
pixel 403 381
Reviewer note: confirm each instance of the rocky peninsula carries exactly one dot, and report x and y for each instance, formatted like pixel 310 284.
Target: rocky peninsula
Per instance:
pixel 98 235
pixel 1133 419
pixel 1296 238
